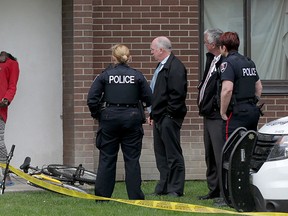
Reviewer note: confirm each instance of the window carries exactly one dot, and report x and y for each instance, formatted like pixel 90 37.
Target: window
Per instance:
pixel 262 26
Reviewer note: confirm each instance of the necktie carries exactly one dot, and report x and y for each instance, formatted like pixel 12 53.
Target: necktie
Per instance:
pixel 154 78
pixel 211 70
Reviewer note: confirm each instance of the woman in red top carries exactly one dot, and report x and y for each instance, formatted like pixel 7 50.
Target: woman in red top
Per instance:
pixel 9 73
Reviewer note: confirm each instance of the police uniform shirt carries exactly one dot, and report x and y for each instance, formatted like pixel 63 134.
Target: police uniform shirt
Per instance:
pixel 127 87
pixel 242 72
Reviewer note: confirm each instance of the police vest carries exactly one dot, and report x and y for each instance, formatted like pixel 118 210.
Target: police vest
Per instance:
pixel 245 77
pixel 121 88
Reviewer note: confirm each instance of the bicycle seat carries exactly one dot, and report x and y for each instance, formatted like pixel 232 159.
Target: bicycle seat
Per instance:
pixel 25 165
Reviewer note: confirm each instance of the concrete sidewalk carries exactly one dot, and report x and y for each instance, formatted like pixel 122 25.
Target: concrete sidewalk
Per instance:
pixel 20 185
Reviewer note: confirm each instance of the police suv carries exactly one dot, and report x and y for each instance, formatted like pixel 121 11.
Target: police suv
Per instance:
pixel 254 174
pixel 269 167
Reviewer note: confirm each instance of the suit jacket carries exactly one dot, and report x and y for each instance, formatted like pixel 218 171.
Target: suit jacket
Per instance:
pixel 170 90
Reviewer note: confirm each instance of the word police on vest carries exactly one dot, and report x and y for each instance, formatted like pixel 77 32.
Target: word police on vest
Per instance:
pixel 249 71
pixel 122 79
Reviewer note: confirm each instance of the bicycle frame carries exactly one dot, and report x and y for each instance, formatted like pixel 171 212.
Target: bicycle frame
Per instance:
pixel 46 175
pixel 41 174
pixel 37 173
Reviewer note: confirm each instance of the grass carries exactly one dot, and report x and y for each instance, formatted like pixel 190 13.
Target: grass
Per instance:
pixel 49 203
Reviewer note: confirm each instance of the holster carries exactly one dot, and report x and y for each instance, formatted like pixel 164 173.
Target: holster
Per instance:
pixel 142 112
pixel 260 109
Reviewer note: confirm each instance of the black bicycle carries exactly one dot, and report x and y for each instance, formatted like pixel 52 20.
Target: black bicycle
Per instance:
pixel 65 176
pixel 73 174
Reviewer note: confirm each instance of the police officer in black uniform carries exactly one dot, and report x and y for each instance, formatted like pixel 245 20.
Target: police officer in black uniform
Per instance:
pixel 241 87
pixel 119 88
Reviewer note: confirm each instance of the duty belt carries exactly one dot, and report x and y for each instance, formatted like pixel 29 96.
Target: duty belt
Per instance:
pixel 121 105
pixel 249 100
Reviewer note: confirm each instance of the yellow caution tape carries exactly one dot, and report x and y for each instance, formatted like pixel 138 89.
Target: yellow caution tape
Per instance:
pixel 47 178
pixel 165 205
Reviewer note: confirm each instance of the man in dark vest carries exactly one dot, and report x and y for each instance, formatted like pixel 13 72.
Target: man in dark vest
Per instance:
pixel 209 108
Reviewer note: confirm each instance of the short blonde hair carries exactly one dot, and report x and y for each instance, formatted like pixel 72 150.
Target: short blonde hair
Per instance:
pixel 121 53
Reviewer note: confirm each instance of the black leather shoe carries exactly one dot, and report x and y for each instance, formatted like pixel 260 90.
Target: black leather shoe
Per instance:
pixel 208 196
pixel 174 194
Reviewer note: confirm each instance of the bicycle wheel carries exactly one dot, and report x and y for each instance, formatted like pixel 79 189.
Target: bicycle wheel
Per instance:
pixel 73 173
pixel 45 171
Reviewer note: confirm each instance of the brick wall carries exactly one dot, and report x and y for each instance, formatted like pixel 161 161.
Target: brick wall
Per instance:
pixel 275 106
pixel 78 127
pixel 90 28
pixel 136 23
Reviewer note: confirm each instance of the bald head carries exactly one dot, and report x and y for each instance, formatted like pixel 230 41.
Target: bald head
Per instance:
pixel 164 43
pixel 160 48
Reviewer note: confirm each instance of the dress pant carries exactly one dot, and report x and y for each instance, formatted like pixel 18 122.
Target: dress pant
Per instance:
pixel 168 154
pixel 213 143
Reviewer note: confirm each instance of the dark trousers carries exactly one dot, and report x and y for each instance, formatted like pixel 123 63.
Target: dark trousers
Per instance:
pixel 213 143
pixel 119 126
pixel 168 154
pixel 244 115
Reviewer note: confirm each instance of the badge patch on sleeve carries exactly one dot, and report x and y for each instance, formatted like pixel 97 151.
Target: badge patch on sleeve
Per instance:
pixel 223 67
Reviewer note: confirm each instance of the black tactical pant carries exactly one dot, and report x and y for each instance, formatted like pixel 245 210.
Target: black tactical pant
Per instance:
pixel 119 126
pixel 243 115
